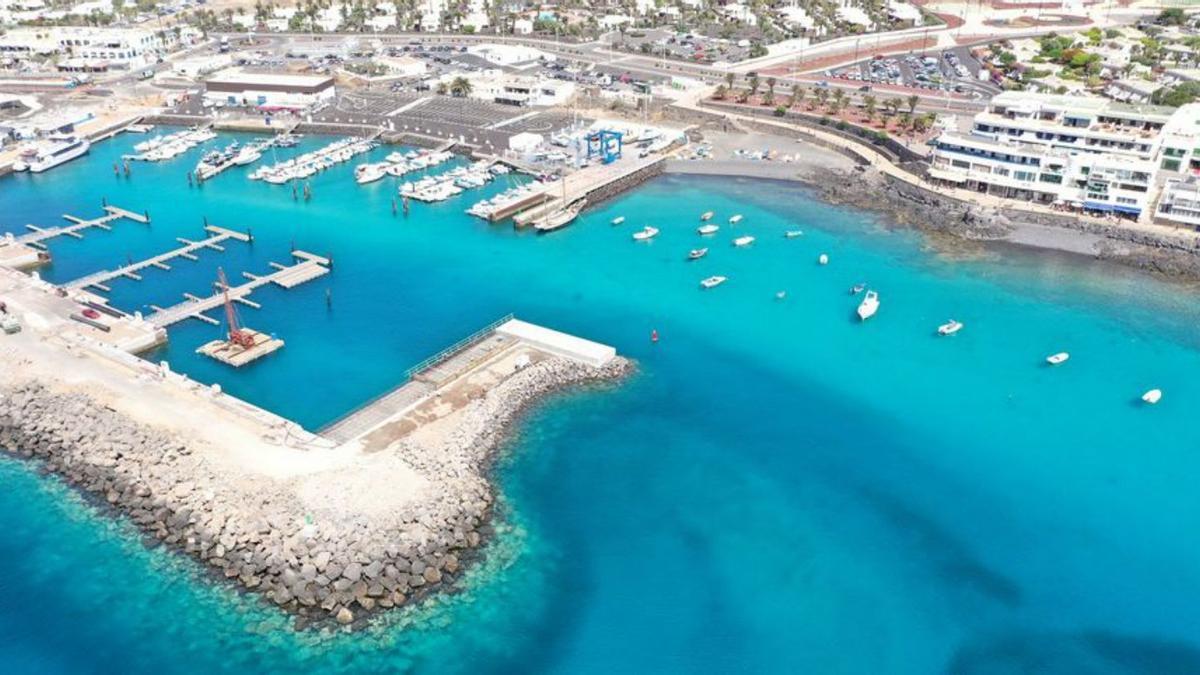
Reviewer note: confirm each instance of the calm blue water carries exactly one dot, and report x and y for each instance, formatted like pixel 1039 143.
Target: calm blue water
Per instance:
pixel 779 489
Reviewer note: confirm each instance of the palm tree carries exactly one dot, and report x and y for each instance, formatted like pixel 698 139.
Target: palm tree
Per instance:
pixel 771 86
pixel 913 100
pixel 721 92
pixel 797 95
pixel 839 97
pixel 753 84
pixel 822 96
pixel 460 87
pixel 869 106
pixel 729 80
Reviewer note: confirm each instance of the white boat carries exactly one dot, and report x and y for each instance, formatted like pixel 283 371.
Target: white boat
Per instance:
pixel 1057 359
pixel 139 128
pixel 950 327
pixel 734 220
pixel 247 155
pixel 792 234
pixel 712 282
pixel 368 173
pixel 646 233
pixel 780 295
pixel 618 220
pixel 743 241
pixel 857 288
pixel 868 306
pixel 58 150
pixel 560 218
pixel 708 229
pixel 707 215
pixel 822 259
pixel 1153 396
pixel 697 253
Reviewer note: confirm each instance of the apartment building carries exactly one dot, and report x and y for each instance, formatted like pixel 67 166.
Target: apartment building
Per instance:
pixel 1180 202
pixel 1081 152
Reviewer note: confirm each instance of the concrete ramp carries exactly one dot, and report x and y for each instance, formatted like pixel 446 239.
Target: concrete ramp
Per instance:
pixel 561 344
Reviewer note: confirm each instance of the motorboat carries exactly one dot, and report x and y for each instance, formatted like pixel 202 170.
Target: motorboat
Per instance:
pixel 646 233
pixel 792 234
pixel 857 288
pixel 247 155
pixel 618 220
pixel 743 241
pixel 708 229
pixel 1058 359
pixel 868 306
pixel 822 259
pixel 712 282
pixel 58 150
pixel 368 173
pixel 1153 396
pixel 697 253
pixel 780 295
pixel 707 215
pixel 734 220
pixel 139 128
pixel 950 327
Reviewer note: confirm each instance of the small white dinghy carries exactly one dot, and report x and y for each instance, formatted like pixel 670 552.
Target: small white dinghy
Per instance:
pixel 618 220
pixel 646 233
pixel 822 259
pixel 792 234
pixel 868 306
pixel 707 215
pixel 1153 396
pixel 1057 359
pixel 734 220
pixel 743 241
pixel 950 327
pixel 780 295
pixel 708 229
pixel 712 282
pixel 697 253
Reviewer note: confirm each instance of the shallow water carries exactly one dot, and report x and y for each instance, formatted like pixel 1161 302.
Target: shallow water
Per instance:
pixel 779 488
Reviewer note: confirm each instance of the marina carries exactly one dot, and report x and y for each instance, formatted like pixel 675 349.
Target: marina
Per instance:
pixel 187 251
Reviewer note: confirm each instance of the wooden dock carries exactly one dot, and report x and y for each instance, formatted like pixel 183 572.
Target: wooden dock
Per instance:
pixel 236 355
pixel 39 235
pixel 286 276
pixel 188 251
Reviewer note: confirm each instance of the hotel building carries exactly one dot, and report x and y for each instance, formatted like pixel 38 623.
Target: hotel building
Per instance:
pixel 1087 153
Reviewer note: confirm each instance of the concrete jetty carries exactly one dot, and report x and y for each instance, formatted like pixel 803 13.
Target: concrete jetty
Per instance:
pixel 188 250
pixel 594 183
pixel 286 276
pixel 331 533
pixel 505 336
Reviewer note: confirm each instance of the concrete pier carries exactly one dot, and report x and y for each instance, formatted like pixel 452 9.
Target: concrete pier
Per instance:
pixel 594 183
pixel 509 339
pixel 286 276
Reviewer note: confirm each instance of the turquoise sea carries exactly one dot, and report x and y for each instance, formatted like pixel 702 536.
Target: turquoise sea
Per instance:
pixel 778 489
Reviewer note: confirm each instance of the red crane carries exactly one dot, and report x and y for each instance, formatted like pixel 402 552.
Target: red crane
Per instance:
pixel 237 335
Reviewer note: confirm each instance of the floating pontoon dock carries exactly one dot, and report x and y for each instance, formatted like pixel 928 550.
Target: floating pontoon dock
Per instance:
pixel 287 276
pixel 27 250
pixel 235 355
pixel 188 250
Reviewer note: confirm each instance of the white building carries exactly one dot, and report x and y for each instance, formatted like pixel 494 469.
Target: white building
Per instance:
pixel 268 90
pixel 120 47
pixel 1084 152
pixel 1180 202
pixel 519 90
pixel 507 55
pixel 199 66
pixel 522 26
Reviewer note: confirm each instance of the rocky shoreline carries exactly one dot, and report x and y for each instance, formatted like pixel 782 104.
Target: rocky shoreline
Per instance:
pixel 290 541
pixel 1175 256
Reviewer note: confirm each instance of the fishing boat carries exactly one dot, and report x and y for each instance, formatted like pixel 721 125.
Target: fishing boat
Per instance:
pixel 950 327
pixel 734 220
pixel 697 253
pixel 823 259
pixel 1153 396
pixel 792 234
pixel 708 229
pixel 560 218
pixel 712 282
pixel 618 220
pixel 645 234
pixel 743 241
pixel 707 215
pixel 1057 359
pixel 868 306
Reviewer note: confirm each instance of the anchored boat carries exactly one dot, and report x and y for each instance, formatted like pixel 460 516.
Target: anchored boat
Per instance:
pixel 868 306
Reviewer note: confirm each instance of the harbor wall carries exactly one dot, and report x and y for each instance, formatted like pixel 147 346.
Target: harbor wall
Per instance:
pixel 266 535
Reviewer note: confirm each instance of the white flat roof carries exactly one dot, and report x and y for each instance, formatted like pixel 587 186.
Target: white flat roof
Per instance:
pixel 569 346
pixel 278 79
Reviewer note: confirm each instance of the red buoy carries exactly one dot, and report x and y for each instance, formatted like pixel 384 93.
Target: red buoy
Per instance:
pixel 654 335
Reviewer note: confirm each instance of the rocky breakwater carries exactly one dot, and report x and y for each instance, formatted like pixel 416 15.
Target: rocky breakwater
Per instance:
pixel 366 533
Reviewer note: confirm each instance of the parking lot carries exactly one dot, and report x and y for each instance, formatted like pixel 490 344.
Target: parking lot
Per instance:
pixel 951 70
pixel 684 46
